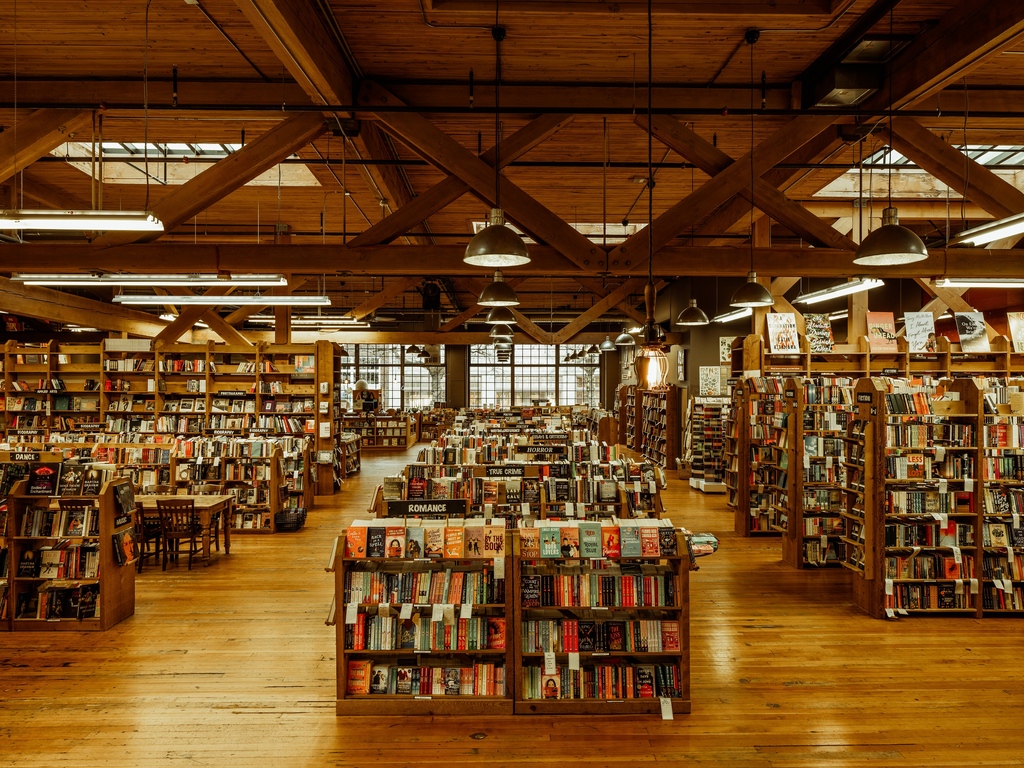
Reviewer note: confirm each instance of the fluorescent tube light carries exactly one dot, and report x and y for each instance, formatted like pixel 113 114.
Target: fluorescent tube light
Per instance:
pixel 840 315
pixel 989 231
pixel 734 315
pixel 228 301
pixel 163 281
pixel 856 285
pixel 84 221
pixel 979 282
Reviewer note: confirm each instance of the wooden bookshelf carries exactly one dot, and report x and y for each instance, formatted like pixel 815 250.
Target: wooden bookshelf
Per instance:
pixel 602 425
pixel 115 583
pixel 755 402
pixel 710 435
pixel 381 431
pixel 661 425
pixel 922 514
pixel 539 691
pixel 491 616
pixel 349 457
pixel 819 412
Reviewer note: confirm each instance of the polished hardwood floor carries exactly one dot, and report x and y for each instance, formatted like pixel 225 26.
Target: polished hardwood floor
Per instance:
pixel 232 665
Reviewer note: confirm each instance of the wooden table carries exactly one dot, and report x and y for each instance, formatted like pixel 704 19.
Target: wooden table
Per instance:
pixel 207 505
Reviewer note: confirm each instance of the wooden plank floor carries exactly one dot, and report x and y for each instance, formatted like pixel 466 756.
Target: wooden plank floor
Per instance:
pixel 232 665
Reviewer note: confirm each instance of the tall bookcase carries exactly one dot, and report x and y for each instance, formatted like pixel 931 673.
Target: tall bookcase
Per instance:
pixel 421 636
pixel 661 424
pixel 709 436
pixel 922 517
pixel 819 412
pixel 629 417
pixel 40 603
pixel 755 402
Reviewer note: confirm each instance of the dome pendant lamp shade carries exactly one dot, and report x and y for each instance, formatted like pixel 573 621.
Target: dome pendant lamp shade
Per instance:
pixel 496 245
pixel 498 294
pixel 607 345
pixel 499 316
pixel 890 244
pixel 751 294
pixel 624 340
pixel 692 315
pixel 501 330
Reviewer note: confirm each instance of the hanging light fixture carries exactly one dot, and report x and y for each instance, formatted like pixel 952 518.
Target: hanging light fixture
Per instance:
pixel 498 294
pixel 624 339
pixel 856 285
pixel 752 293
pixel 424 355
pixel 501 330
pixel 413 350
pixel 651 362
pixel 496 245
pixel 500 316
pixel 890 243
pixel 692 315
pixel 607 345
pixel 593 350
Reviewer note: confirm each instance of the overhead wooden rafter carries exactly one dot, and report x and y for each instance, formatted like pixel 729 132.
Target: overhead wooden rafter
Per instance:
pixel 476 287
pixel 225 176
pixel 390 291
pixel 766 196
pixel 473 311
pixel 48 304
pixel 718 190
pixel 594 313
pixel 38 134
pixel 451 187
pixel 447 154
pixel 189 315
pixel 301 39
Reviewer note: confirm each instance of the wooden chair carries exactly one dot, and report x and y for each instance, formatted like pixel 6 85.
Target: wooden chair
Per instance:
pixel 147 533
pixel 179 524
pixel 157 489
pixel 215 489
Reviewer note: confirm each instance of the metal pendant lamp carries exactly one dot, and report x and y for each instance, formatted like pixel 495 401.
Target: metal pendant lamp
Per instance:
pixel 501 331
pixel 891 243
pixel 607 345
pixel 500 316
pixel 496 245
pixel 692 315
pixel 498 294
pixel 752 293
pixel 625 339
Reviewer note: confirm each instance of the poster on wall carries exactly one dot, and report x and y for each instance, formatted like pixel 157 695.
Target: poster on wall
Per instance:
pixel 1015 320
pixel 920 331
pixel 782 335
pixel 725 349
pixel 710 381
pixel 681 365
pixel 882 332
pixel 971 327
pixel 819 333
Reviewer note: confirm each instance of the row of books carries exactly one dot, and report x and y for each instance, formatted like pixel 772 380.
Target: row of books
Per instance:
pixel 824 526
pixel 602 681
pixel 929 566
pixel 1000 567
pixel 955 534
pixel 930 435
pixel 921 466
pixel 928 502
pixel 915 597
pixel 129 364
pixel 590 588
pixel 235 447
pixel 1001 535
pixel 56 600
pixel 575 635
pixel 251 520
pixel 596 539
pixel 51 523
pixel 424 633
pixel 818 420
pixel 450 586
pixel 369 678
pixel 65 559
pixel 179 365
pixel 473 540
pixel 1004 434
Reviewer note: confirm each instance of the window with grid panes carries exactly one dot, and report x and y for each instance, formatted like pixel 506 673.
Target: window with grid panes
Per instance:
pixel 490 382
pixel 579 381
pixel 425 382
pixel 534 374
pixel 380 365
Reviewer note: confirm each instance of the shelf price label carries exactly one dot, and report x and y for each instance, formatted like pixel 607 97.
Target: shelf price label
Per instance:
pixel 666 708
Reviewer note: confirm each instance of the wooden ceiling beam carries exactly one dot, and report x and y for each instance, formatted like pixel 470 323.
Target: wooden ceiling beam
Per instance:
pixel 432 260
pixel 49 196
pixel 528 327
pixel 242 314
pixel 225 176
pixel 38 134
pixel 57 306
pixel 718 190
pixel 766 196
pixel 189 315
pixel 227 333
pixel 378 300
pixel 615 296
pixel 473 287
pixel 447 154
pixel 437 10
pixel 965 37
pixel 949 165
pixel 598 289
pixel 194 96
pixel 300 37
pixel 450 189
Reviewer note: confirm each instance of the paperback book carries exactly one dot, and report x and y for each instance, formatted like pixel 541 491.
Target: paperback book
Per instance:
pixel 782 333
pixel 920 331
pixel 882 332
pixel 971 328
pixel 819 333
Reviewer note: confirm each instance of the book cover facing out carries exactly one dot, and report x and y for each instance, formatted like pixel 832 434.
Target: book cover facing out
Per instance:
pixel 881 332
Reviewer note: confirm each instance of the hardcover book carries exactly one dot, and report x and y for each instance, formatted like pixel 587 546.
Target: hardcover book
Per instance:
pixel 971 328
pixel 667 541
pixel 587 636
pixel 454 542
pixel 649 542
pixel 91 482
pixel 376 542
pixel 71 481
pixel 590 540
pixel 414 542
pixel 359 672
pixel 549 685
pixel 549 544
pixel 819 333
pixel 530 591
pixel 782 333
pixel 920 332
pixel 355 541
pixel 395 541
pixel 42 479
pixel 529 543
pixel 610 542
pixel 433 541
pixel 882 332
pixel 570 536
pixel 475 541
pixel 629 544
pixel 494 541
pixel 496 633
